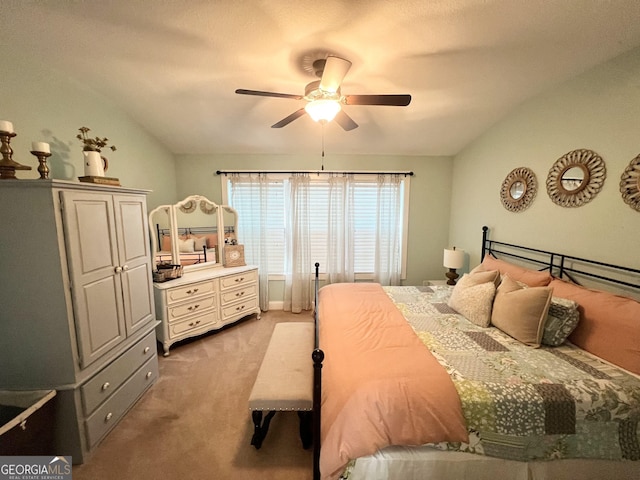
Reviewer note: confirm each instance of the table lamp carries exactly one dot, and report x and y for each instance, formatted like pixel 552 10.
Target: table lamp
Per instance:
pixel 453 259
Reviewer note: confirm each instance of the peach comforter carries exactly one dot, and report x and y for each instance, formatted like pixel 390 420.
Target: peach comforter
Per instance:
pixel 380 385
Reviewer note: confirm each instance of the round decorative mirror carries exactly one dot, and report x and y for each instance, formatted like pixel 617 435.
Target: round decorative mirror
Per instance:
pixel 576 178
pixel 518 189
pixel 630 184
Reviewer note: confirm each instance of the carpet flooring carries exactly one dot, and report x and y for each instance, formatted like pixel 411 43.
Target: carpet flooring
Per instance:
pixel 194 423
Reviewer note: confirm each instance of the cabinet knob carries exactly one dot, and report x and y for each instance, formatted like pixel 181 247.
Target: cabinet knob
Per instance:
pixel 149 374
pixel 118 269
pixel 193 324
pixel 105 385
pixel 146 350
pixel 108 417
pixel 239 279
pixel 191 292
pixel 125 267
pixel 239 294
pixel 241 307
pixel 193 307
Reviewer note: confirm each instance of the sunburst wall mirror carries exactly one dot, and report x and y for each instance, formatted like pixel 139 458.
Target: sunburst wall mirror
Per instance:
pixel 518 189
pixel 630 184
pixel 576 178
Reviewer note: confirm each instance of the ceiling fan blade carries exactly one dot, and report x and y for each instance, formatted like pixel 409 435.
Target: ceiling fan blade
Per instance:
pixel 334 72
pixel 345 121
pixel 399 100
pixel 287 120
pixel 242 91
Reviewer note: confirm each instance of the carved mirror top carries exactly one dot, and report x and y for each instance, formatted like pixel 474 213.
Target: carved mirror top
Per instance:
pixel 518 189
pixel 576 178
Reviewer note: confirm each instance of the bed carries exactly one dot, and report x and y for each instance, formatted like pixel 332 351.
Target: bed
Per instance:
pixel 539 379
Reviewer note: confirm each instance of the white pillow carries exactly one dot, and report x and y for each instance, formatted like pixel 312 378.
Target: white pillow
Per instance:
pixel 186 246
pixel 199 243
pixel 473 297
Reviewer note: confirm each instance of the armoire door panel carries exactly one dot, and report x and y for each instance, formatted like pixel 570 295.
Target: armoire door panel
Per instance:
pixel 99 305
pixel 132 218
pixel 137 295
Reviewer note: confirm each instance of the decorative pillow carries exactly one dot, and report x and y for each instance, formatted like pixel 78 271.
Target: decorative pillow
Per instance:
pixel 199 243
pixel 521 312
pixel 533 278
pixel 166 243
pixel 186 246
pixel 609 324
pixel 562 319
pixel 473 296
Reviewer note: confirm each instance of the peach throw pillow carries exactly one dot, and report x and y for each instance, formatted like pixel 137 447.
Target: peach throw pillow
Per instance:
pixel 609 324
pixel 533 278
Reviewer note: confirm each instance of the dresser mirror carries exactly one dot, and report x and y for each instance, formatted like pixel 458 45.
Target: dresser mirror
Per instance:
pixel 192 232
pixel 576 178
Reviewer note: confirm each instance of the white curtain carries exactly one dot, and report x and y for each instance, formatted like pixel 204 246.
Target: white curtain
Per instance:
pixel 297 264
pixel 253 225
pixel 388 258
pixel 340 250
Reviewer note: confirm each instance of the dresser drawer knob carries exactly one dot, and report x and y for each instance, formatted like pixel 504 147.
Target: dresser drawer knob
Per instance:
pixel 191 292
pixel 105 385
pixel 149 374
pixel 241 307
pixel 239 279
pixel 239 294
pixel 193 307
pixel 193 324
pixel 146 350
pixel 108 417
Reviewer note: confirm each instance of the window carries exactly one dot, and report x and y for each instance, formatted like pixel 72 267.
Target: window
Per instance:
pixel 373 213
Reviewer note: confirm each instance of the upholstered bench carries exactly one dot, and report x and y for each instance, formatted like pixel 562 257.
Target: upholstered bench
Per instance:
pixel 285 380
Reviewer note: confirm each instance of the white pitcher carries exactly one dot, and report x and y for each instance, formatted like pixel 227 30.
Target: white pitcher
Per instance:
pixel 94 164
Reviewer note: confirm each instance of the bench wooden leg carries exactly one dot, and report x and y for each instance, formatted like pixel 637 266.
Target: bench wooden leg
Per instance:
pixel 260 428
pixel 306 429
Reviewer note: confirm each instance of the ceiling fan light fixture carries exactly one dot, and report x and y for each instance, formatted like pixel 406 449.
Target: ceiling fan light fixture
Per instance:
pixel 323 109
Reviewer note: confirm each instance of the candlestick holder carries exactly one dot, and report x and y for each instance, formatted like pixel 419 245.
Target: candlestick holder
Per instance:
pixel 43 168
pixel 8 166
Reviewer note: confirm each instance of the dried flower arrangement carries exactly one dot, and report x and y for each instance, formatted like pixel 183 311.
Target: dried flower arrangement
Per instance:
pixel 92 144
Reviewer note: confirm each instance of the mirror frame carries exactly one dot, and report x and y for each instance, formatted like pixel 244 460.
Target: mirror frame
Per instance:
pixel 529 182
pixel 595 173
pixel 630 184
pixel 188 205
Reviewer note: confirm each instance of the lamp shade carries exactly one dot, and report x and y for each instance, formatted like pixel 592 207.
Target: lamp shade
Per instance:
pixel 453 258
pixel 323 109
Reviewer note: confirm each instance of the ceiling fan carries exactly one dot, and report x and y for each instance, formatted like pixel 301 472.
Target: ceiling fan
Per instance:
pixel 324 98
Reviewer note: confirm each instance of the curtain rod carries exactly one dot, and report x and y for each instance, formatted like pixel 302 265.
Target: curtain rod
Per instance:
pixel 317 172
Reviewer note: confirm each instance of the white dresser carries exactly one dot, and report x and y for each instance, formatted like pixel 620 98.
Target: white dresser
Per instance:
pixel 204 300
pixel 76 303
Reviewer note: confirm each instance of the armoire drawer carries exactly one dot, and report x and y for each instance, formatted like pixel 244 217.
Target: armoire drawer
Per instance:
pixel 194 323
pixel 178 294
pixel 177 312
pixel 110 412
pixel 104 383
pixel 229 296
pixel 239 310
pixel 239 279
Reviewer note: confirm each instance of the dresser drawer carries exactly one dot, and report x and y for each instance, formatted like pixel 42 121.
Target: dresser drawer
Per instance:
pixel 194 323
pixel 108 414
pixel 229 296
pixel 177 312
pixel 189 291
pixel 239 279
pixel 239 310
pixel 103 384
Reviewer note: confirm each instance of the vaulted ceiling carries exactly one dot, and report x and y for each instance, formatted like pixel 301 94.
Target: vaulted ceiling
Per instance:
pixel 174 65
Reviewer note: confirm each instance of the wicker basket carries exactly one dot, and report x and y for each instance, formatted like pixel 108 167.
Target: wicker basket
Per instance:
pixel 167 272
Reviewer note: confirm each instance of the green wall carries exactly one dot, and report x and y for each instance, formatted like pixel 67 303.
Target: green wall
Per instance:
pixel 598 110
pixel 429 200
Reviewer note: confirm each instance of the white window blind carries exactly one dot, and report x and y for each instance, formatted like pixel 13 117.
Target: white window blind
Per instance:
pixel 366 195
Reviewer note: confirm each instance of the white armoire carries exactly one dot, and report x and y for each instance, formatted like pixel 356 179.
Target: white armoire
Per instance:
pixel 76 303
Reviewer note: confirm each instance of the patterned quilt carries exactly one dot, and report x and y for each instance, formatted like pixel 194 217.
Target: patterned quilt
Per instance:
pixel 522 403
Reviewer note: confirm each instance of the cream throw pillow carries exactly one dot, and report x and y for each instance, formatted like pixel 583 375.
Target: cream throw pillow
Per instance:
pixel 199 243
pixel 473 295
pixel 186 246
pixel 521 312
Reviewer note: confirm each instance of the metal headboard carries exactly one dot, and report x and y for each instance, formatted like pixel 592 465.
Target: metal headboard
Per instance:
pixel 561 265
